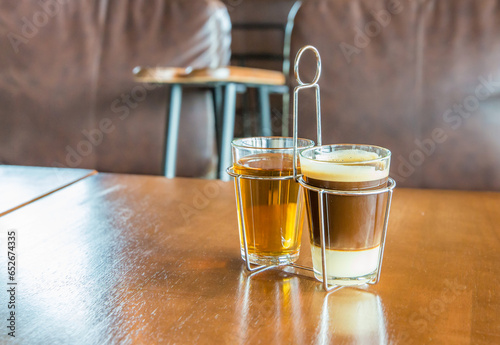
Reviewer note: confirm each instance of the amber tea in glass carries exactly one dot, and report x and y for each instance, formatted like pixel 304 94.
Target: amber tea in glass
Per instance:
pixel 271 209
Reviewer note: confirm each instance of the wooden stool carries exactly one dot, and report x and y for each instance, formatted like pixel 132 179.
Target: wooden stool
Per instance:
pixel 226 82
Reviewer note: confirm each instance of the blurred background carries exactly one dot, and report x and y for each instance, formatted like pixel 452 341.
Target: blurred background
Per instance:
pixel 421 78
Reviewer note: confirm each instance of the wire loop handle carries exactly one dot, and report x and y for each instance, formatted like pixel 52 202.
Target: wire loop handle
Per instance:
pixel 301 86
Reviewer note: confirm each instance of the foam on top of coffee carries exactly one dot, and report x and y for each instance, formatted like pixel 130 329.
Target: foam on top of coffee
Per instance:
pixel 329 166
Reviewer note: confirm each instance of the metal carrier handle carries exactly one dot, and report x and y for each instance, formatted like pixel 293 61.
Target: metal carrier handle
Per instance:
pixel 301 86
pixel 322 192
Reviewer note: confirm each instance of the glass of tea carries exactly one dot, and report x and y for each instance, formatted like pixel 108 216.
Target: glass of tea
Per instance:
pixel 269 203
pixel 352 210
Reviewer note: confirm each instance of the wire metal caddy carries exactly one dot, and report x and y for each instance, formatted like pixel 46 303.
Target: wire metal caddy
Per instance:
pixel 321 191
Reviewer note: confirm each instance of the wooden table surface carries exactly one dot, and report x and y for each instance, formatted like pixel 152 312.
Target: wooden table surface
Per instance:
pixel 229 74
pixel 144 260
pixel 21 185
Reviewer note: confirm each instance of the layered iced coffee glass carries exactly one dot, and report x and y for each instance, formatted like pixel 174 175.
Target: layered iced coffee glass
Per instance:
pixel 353 223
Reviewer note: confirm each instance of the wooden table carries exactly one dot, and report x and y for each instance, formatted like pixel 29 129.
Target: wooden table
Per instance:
pixel 225 82
pixel 20 185
pixel 143 260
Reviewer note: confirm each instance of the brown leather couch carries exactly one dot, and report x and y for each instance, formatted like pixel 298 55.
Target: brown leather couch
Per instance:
pixel 67 94
pixel 421 78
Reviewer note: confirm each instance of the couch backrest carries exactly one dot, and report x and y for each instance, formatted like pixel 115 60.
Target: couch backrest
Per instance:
pixel 420 77
pixel 67 94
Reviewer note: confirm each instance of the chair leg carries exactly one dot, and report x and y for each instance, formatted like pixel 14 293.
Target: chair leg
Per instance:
pixel 264 111
pixel 217 92
pixel 174 115
pixel 227 130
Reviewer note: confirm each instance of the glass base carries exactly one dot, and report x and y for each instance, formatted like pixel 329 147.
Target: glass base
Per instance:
pixel 348 281
pixel 268 260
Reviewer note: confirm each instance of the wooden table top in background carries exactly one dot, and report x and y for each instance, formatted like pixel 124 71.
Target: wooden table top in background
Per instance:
pixel 138 259
pixel 228 74
pixel 21 185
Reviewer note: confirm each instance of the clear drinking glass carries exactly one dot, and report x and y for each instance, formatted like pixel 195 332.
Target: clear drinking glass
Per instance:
pixel 269 202
pixel 354 217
